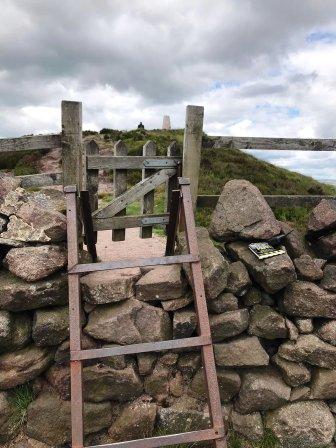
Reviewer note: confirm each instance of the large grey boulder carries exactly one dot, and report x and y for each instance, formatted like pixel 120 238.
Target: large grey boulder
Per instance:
pixel 325 246
pixel 294 241
pixel 8 428
pixel 267 323
pixel 104 383
pixel 327 332
pixel 18 295
pixel 305 299
pixel 58 376
pixel 177 304
pixel 184 323
pixel 226 301
pixel 183 416
pixel 329 278
pixel 51 326
pixel 242 213
pixel 305 326
pixel 310 349
pixel 214 267
pixel 35 262
pixel 242 352
pixel 238 280
pixel 307 268
pixel 136 421
pixel 109 286
pixel 273 274
pixel 322 218
pixel 49 419
pixel 3 223
pixel 323 384
pixel 249 426
pixel 228 382
pixel 262 390
pixel 31 222
pixel 129 322
pixel 229 324
pixel 7 184
pixel 304 424
pixel 295 374
pixel 24 365
pixel 157 384
pixel 160 283
pixel 15 330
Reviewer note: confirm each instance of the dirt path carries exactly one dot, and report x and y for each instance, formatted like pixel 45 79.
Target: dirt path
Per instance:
pixel 132 247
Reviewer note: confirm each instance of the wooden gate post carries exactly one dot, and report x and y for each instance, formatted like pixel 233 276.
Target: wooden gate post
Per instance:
pixel 120 186
pixel 73 159
pixel 192 145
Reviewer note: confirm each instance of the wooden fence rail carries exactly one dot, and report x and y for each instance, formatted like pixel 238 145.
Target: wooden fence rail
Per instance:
pixel 81 164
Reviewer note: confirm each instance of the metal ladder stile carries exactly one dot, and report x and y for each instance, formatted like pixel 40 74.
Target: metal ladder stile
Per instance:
pixel 181 209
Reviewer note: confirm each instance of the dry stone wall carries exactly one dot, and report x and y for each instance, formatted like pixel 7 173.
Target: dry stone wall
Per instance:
pixel 273 325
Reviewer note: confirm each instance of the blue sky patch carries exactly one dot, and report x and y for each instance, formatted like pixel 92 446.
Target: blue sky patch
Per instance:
pixel 326 37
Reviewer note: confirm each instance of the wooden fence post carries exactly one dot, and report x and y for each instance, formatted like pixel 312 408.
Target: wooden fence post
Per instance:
pixel 72 147
pixel 192 145
pixel 120 186
pixel 91 182
pixel 147 205
pixel 172 182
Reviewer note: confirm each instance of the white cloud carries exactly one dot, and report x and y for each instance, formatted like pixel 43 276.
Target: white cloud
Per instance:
pixel 260 67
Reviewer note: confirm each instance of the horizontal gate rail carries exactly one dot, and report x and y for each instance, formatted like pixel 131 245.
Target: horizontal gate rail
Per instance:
pixel 126 222
pixel 131 162
pixel 133 263
pixel 146 347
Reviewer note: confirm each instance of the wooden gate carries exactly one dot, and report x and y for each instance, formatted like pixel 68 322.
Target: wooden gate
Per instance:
pixel 156 171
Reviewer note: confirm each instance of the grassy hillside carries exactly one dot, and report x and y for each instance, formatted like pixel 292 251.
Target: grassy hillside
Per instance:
pixel 217 167
pixel 220 165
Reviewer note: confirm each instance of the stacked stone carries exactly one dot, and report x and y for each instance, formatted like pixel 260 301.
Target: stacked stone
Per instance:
pixel 273 324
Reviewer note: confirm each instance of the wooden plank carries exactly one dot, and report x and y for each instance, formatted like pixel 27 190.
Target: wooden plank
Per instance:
pixel 41 180
pixel 91 180
pixel 174 216
pixel 182 439
pixel 134 193
pixel 120 186
pixel 90 235
pixel 147 203
pixel 30 143
pixel 121 222
pixel 172 183
pixel 145 347
pixel 210 201
pixel 72 147
pixel 192 145
pixel 269 143
pixel 132 263
pixel 131 162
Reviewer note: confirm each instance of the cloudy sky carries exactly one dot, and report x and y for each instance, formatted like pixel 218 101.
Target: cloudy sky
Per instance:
pixel 259 67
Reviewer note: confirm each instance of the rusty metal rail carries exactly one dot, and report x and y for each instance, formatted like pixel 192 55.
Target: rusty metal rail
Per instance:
pixel 182 208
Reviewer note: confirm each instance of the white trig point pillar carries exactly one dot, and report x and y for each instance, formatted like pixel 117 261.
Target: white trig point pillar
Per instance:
pixel 166 123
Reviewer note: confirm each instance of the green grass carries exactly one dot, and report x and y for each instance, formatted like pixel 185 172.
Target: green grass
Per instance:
pixel 221 165
pixel 20 398
pixel 217 167
pixel 268 441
